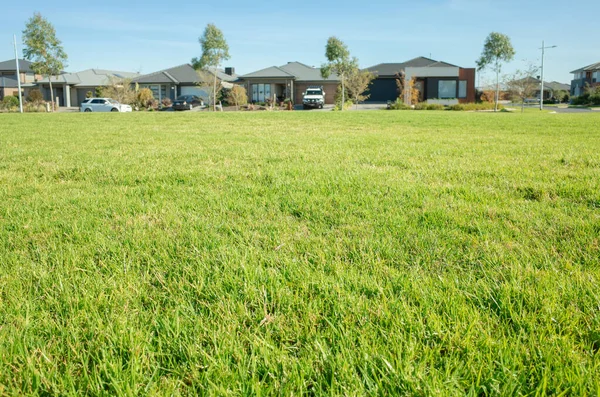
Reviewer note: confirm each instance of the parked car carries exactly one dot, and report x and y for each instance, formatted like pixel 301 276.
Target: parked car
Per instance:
pixel 103 105
pixel 314 97
pixel 187 102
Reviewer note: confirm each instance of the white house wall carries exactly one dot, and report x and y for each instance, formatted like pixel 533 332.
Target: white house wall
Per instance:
pixel 432 72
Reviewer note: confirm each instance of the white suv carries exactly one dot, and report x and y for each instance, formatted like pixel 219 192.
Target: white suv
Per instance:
pixel 103 105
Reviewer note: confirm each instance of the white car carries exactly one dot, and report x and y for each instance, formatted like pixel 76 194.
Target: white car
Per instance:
pixel 103 105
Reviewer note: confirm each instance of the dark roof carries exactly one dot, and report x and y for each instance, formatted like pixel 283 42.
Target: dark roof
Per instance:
pixel 555 85
pixel 182 74
pixel 292 70
pixel 391 69
pixel 8 81
pixel 270 72
pixel 89 77
pixel 548 85
pixel 24 65
pixel 593 66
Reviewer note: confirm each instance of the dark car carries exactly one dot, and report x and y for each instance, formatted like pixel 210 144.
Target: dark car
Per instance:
pixel 187 102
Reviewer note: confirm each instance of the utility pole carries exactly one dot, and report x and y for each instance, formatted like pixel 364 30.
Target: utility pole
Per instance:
pixel 18 75
pixel 542 76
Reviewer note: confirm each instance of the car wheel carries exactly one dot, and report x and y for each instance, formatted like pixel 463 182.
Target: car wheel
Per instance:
pixel 114 110
pixel 87 110
pixel 320 106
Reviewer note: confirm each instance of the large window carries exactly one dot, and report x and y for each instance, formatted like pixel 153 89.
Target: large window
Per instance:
pixel 462 89
pixel 261 92
pixel 447 89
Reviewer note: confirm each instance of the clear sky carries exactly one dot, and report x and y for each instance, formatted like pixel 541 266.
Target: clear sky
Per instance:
pixel 150 35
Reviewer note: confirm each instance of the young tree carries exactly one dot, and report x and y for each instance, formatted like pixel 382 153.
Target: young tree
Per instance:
pixel 407 89
pixel 523 84
pixel 237 95
pixel 496 49
pixel 43 48
pixel 338 62
pixel 214 51
pixel 120 90
pixel 211 84
pixel 358 83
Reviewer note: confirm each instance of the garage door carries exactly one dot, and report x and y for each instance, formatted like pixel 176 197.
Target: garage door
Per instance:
pixel 383 90
pixel 192 90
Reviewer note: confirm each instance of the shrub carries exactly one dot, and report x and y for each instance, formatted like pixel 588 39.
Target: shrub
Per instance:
pixel 474 106
pixel 144 98
pixel 152 104
pixel 428 106
pixel 34 107
pixel 10 102
pixel 166 102
pixel 237 96
pixel 35 96
pixel 347 105
pixel 399 105
pixel 89 94
pixel 435 106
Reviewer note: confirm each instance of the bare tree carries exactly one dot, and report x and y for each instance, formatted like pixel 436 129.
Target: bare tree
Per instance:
pixel 120 90
pixel 522 84
pixel 211 84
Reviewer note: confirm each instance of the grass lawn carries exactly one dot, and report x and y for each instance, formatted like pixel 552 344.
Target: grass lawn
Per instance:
pixel 418 253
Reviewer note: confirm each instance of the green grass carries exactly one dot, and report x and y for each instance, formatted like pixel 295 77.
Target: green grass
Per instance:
pixel 382 253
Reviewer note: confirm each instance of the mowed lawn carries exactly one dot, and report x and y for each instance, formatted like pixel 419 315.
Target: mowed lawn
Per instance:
pixel 358 253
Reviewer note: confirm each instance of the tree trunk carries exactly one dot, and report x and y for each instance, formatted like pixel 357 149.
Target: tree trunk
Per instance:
pixel 343 96
pixel 497 89
pixel 51 93
pixel 215 91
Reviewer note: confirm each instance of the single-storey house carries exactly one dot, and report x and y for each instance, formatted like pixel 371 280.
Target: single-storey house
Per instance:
pixel 435 80
pixel 587 75
pixel 181 80
pixel 287 81
pixel 8 77
pixel 72 89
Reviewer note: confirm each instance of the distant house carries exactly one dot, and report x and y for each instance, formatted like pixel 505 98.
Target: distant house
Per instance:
pixel 8 77
pixel 551 88
pixel 435 80
pixel 181 80
pixel 71 89
pixel 589 75
pixel 287 81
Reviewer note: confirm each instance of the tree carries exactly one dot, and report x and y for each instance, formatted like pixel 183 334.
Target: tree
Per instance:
pixel 238 96
pixel 358 83
pixel 407 89
pixel 496 49
pixel 214 51
pixel 120 90
pixel 211 83
pixel 523 84
pixel 43 48
pixel 338 62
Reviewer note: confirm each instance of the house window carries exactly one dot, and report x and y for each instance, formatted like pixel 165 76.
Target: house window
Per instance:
pixel 447 89
pixel 462 89
pixel 261 92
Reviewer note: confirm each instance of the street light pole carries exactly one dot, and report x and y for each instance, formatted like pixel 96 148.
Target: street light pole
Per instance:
pixel 542 76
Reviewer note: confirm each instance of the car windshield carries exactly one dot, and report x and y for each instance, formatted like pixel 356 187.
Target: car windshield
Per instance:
pixel 313 92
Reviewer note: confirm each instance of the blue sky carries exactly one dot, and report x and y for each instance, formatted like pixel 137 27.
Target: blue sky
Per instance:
pixel 152 35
